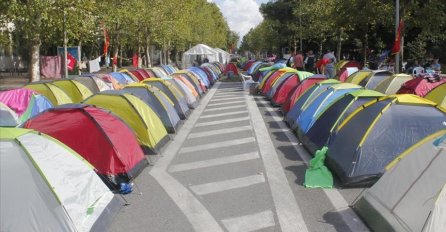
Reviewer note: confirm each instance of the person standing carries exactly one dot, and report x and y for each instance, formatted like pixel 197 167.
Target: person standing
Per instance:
pixel 298 60
pixel 310 61
pixel 330 67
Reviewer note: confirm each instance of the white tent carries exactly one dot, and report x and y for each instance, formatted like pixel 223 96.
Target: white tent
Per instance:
pixel 223 56
pixel 437 219
pixel 199 51
pixel 46 186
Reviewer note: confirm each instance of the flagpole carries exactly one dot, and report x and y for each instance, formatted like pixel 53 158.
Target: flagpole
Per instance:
pixel 397 20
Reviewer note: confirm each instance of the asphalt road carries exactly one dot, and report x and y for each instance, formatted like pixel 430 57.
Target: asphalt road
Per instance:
pixel 233 166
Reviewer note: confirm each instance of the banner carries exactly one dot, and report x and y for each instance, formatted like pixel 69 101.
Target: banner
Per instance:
pixel 71 62
pixel 106 41
pixel 397 44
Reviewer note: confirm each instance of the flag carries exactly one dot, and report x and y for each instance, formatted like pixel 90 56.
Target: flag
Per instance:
pixel 106 41
pixel 71 62
pixel 397 44
pixel 135 60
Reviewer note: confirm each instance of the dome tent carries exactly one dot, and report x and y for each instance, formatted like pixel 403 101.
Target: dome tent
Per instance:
pixel 98 136
pixel 8 118
pixel 144 122
pixel 376 133
pixel 55 94
pixel 46 186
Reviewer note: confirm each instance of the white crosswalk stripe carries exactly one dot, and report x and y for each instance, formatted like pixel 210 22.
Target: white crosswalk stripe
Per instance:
pixel 225 108
pixel 219 132
pixel 208 146
pixel 221 121
pixel 223 114
pixel 225 185
pixel 250 222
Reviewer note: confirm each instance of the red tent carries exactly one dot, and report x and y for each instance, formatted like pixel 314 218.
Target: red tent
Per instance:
pixel 284 90
pixel 137 75
pixel 248 65
pixel 97 135
pixel 420 86
pixel 231 67
pixel 269 80
pixel 143 73
pixel 300 89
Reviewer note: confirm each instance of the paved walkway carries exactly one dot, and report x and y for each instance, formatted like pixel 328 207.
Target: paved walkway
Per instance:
pixel 233 166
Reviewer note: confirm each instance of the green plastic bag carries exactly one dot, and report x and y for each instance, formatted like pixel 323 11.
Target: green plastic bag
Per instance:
pixel 318 175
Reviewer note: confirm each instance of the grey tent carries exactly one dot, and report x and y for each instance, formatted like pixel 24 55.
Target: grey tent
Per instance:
pixel 437 218
pixel 46 186
pixel 7 116
pixel 404 197
pixel 93 83
pixel 159 102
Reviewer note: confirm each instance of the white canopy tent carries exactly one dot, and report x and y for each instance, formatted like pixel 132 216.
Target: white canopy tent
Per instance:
pixel 199 52
pixel 223 56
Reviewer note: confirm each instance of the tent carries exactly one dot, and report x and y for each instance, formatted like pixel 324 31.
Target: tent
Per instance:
pixel 142 72
pixel 404 197
pixel 314 108
pixel 144 122
pixel 299 90
pixel 186 76
pixel 46 186
pixel 169 69
pixel 420 86
pixel 138 75
pixel 324 124
pixel 232 67
pixel 219 66
pixel 438 95
pixel 437 218
pixel 392 85
pixel 267 83
pixel 201 75
pixel 284 91
pixel 93 83
pixel 75 90
pixel 307 97
pixel 374 78
pixel 112 82
pixel 24 102
pixel 148 72
pixel 98 136
pixel 159 72
pixel 122 78
pixel 179 101
pixel 200 51
pixel 8 118
pixel 158 101
pixel 374 134
pixel 215 72
pixel 344 73
pixel 279 81
pixel 223 56
pixel 358 76
pixel 181 77
pixel 192 101
pixel 53 93
pixel 130 74
pixel 248 65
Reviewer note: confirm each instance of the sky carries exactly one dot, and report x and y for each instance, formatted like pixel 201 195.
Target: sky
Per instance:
pixel 241 15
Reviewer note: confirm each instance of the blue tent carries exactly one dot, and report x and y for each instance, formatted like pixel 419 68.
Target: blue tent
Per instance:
pixel 122 78
pixel 201 74
pixel 309 115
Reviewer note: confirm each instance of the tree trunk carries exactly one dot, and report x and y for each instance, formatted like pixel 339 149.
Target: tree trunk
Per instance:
pixel 177 58
pixel 366 47
pixel 34 64
pixel 115 57
pixel 339 47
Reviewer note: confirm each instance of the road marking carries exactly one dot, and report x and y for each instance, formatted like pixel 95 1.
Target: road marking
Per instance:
pixel 337 200
pixel 208 146
pixel 214 162
pixel 223 114
pixel 226 96
pixel 219 132
pixel 288 212
pixel 225 99
pixel 226 103
pixel 224 108
pixel 199 217
pixel 225 185
pixel 250 222
pixel 217 122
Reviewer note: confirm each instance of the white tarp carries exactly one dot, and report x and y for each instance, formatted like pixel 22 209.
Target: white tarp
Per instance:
pixel 223 56
pixel 199 51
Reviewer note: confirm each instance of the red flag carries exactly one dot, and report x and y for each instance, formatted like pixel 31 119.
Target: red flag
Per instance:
pixel 135 60
pixel 71 62
pixel 106 41
pixel 397 44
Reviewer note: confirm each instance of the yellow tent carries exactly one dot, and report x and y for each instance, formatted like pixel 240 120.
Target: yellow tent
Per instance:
pixel 438 95
pixel 393 84
pixel 358 76
pixel 55 94
pixel 75 90
pixel 147 126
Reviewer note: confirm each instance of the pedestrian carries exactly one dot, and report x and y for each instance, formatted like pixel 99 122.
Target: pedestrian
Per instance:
pixel 310 61
pixel 330 67
pixel 298 60
pixel 436 66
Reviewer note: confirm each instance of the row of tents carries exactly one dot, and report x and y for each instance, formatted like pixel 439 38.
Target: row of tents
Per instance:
pixel 68 145
pixel 383 131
